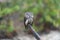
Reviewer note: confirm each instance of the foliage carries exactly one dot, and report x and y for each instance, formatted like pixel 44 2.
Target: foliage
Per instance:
pixel 50 9
pixel 5 9
pixel 8 8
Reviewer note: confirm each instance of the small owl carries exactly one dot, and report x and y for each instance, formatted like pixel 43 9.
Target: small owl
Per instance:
pixel 28 19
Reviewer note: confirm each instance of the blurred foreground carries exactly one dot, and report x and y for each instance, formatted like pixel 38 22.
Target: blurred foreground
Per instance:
pixel 53 35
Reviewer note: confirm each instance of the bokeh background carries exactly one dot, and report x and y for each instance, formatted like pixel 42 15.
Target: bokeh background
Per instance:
pixel 46 13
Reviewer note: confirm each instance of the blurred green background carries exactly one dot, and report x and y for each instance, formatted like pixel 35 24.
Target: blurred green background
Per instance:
pixel 43 10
